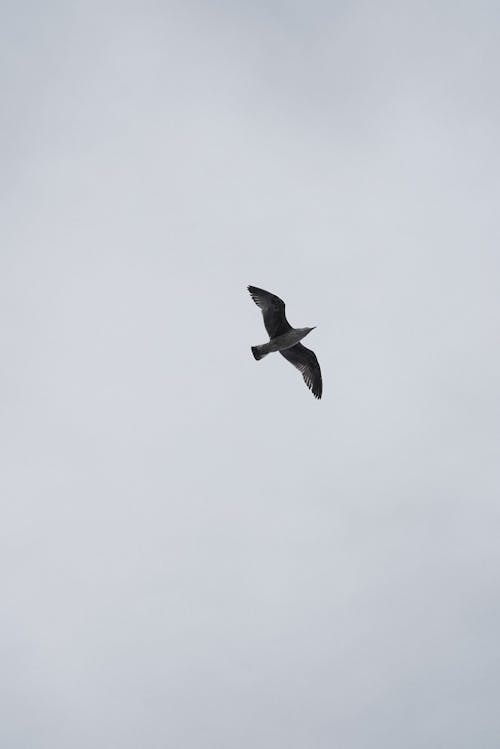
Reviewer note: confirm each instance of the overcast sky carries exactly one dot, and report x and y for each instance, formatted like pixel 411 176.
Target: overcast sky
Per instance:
pixel 194 552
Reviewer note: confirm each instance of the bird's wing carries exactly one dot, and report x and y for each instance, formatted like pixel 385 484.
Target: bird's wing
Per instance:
pixel 273 311
pixel 305 361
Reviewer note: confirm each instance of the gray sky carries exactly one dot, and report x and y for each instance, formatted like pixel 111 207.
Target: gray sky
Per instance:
pixel 195 553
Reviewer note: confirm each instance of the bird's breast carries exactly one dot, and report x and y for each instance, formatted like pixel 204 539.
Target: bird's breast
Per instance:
pixel 288 339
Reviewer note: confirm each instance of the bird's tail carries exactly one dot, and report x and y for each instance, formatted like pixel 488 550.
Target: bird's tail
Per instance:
pixel 259 352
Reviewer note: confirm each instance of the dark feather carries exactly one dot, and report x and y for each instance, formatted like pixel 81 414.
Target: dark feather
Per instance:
pixel 273 311
pixel 305 361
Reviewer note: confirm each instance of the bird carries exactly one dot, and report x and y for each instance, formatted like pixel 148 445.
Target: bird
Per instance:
pixel 285 339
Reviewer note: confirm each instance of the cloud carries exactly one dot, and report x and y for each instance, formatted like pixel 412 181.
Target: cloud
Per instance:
pixel 194 552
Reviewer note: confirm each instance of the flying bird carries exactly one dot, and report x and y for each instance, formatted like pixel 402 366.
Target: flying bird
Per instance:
pixel 285 339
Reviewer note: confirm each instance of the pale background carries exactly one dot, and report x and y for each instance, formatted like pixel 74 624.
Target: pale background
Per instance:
pixel 194 553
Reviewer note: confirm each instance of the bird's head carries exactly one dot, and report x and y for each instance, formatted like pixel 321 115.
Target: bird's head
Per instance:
pixel 306 331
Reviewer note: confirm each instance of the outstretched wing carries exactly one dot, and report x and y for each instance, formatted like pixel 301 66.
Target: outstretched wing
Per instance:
pixel 305 361
pixel 273 311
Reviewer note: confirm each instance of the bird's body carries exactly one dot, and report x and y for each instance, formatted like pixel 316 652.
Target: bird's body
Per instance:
pixel 281 342
pixel 285 339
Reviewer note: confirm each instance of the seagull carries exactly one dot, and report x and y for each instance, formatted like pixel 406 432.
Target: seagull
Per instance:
pixel 285 339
